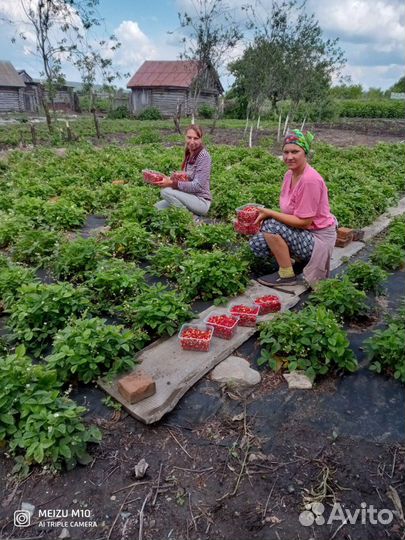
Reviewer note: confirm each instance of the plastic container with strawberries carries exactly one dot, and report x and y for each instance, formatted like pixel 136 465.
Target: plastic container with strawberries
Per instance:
pixel 247 313
pixel 248 212
pixel 180 176
pixel 224 324
pixel 268 304
pixel 195 337
pixel 152 177
pixel 246 228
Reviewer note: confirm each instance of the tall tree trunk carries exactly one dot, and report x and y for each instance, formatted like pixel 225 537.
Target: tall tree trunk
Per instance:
pixel 46 110
pixel 96 124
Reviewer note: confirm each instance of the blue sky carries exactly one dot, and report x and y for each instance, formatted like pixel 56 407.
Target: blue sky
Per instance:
pixel 371 33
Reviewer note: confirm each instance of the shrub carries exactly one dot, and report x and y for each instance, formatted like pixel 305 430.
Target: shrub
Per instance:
pixel 120 112
pixel 366 276
pixel 89 348
pixel 42 310
pixel 130 240
pixel 212 275
pixel 35 247
pixel 386 348
pixel 78 257
pixel 147 136
pixel 310 340
pixel 341 297
pixel 150 113
pixel 205 111
pixel 157 310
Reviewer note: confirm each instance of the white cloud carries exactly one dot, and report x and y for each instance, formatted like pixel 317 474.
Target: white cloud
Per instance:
pixel 136 47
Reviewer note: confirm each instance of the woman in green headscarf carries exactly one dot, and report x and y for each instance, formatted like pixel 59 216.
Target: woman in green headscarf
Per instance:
pixel 305 229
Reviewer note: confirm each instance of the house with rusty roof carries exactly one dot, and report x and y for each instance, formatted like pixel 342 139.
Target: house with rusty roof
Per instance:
pixel 12 88
pixel 168 84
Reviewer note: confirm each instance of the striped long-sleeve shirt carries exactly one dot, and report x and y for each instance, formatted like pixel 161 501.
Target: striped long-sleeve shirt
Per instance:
pixel 199 174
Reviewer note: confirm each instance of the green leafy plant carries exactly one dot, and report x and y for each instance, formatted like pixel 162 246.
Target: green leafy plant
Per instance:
pixel 10 227
pixel 386 347
pixel 173 224
pixel 89 348
pixel 35 247
pixel 76 258
pixel 130 240
pixel 167 260
pixel 157 310
pixel 310 340
pixel 36 420
pixel 341 297
pixel 212 236
pixel 212 275
pixel 389 256
pixel 205 111
pixel 150 113
pixel 41 310
pixel 113 280
pixel 12 278
pixel 366 276
pixel 396 232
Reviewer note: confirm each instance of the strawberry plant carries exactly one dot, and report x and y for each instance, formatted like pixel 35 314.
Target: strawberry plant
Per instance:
pixel 214 274
pixel 173 224
pixel 138 206
pixel 386 347
pixel 12 277
pixel 396 232
pixel 157 310
pixel 389 256
pixel 10 227
pixel 113 280
pixel 211 236
pixel 167 260
pixel 130 240
pixel 35 247
pixel 366 276
pixel 341 297
pixel 75 259
pixel 41 310
pixel 89 348
pixel 310 340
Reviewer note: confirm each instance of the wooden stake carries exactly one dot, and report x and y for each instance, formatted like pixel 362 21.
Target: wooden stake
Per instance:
pixel 286 124
pixel 279 128
pixel 250 136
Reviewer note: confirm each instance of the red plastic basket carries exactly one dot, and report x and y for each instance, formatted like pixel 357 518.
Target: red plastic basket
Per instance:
pixel 248 212
pixel 152 177
pixel 195 337
pixel 247 313
pixel 268 304
pixel 246 228
pixel 180 176
pixel 224 325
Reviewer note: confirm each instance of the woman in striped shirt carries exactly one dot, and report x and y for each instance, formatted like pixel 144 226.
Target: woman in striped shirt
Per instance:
pixel 194 193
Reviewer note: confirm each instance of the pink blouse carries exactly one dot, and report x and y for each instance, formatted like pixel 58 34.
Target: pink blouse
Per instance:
pixel 307 199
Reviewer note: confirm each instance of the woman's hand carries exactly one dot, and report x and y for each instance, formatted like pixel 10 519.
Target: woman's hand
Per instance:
pixel 166 182
pixel 264 213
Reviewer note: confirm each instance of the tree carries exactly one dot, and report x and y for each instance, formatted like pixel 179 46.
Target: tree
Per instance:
pixel 399 86
pixel 211 35
pixel 346 91
pixel 58 25
pixel 288 57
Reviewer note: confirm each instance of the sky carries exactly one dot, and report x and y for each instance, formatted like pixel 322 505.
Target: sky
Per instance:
pixel 370 32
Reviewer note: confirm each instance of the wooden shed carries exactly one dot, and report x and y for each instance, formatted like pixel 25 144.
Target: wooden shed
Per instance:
pixel 11 88
pixel 165 84
pixel 31 92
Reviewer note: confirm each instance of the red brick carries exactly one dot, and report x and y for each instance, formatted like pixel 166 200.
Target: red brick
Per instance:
pixel 345 233
pixel 136 386
pixel 342 243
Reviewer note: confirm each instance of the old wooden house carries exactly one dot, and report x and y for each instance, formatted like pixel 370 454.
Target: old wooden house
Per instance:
pixel 167 84
pixel 11 88
pixel 31 92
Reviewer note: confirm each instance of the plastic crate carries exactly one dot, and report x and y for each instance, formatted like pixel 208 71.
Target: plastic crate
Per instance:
pixel 180 176
pixel 222 329
pixel 247 313
pixel 197 342
pixel 248 212
pixel 268 304
pixel 246 228
pixel 152 177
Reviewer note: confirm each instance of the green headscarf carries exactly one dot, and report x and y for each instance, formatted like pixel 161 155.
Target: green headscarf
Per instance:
pixel 300 139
